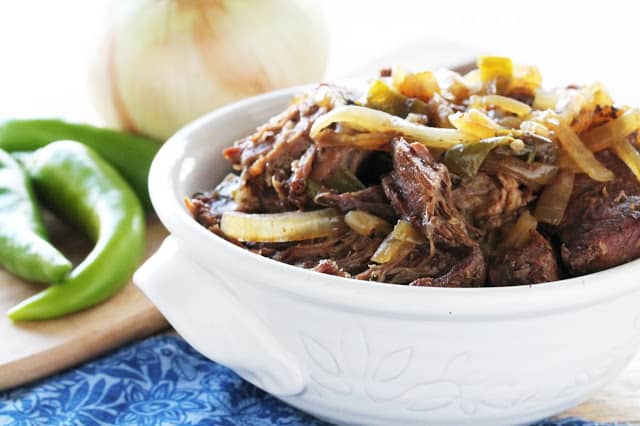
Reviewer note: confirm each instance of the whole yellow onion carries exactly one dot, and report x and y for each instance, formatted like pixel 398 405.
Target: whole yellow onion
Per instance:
pixel 165 62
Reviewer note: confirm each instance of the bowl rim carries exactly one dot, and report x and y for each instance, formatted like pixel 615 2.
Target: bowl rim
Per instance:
pixel 488 302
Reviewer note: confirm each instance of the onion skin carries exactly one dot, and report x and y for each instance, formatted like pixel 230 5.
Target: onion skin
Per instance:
pixel 165 63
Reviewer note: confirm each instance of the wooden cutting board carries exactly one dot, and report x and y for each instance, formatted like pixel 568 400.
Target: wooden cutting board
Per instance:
pixel 31 350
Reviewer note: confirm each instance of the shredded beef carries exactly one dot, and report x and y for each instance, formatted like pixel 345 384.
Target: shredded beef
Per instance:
pixel 533 263
pixel 350 251
pixel 468 271
pixel 419 189
pixel 300 171
pixel 416 264
pixel 330 267
pixel 371 200
pixel 488 202
pixel 277 160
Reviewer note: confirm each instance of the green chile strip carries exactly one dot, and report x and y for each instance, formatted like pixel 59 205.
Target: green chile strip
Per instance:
pixel 130 154
pixel 465 160
pixel 81 188
pixel 24 249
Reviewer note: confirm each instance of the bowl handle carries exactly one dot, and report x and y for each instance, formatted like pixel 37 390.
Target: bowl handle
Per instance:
pixel 198 304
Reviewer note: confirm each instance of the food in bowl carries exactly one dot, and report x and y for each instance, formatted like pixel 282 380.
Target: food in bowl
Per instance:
pixel 355 352
pixel 438 179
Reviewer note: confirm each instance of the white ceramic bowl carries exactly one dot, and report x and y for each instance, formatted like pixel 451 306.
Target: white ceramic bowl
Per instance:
pixel 355 352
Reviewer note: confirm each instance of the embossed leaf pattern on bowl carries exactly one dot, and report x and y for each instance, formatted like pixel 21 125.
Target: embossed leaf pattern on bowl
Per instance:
pixel 393 365
pixel 350 366
pixel 382 376
pixel 353 360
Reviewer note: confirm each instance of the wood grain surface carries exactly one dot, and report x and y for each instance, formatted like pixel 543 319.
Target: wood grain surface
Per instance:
pixel 31 350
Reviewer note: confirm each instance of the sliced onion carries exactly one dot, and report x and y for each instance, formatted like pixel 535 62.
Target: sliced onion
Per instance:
pixel 545 99
pixel 452 84
pixel 572 101
pixel 565 162
pixel 527 76
pixel 367 119
pixel 555 197
pixel 422 85
pixel 510 122
pixel 472 80
pixel 496 70
pixel 580 154
pixel 398 243
pixel 531 126
pixel 405 231
pixel 477 124
pixel 375 141
pixel 602 137
pixel 503 102
pixel 282 227
pixel 391 249
pixel 519 233
pixel 366 224
pixel 629 154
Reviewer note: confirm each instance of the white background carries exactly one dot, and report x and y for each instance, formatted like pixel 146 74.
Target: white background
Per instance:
pixel 45 45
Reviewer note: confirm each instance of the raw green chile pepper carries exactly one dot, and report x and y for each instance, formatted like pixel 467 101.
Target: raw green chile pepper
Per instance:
pixel 130 154
pixel 24 249
pixel 82 189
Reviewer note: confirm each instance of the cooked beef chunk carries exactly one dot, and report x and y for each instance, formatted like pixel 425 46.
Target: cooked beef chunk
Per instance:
pixel 469 271
pixel 533 263
pixel 330 267
pixel 419 189
pixel 601 226
pixel 371 200
pixel 488 202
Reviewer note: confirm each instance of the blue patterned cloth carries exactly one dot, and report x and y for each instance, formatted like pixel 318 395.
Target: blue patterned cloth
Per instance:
pixel 159 381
